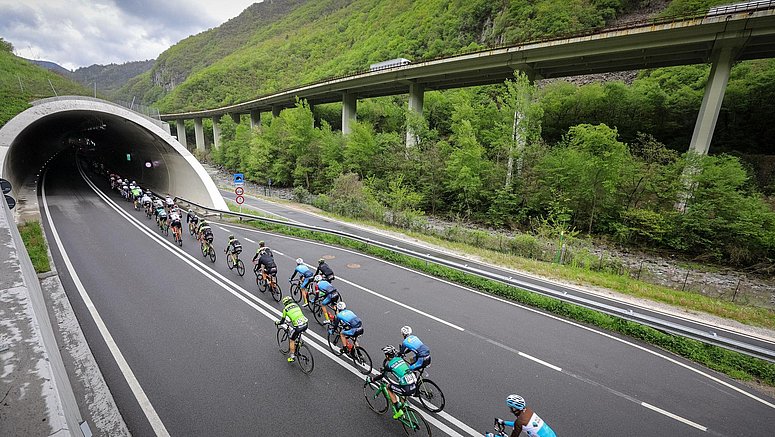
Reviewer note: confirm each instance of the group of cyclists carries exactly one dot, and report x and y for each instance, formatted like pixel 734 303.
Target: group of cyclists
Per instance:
pixel 317 285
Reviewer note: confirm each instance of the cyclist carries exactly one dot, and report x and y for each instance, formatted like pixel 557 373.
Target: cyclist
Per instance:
pixel 191 216
pixel 422 354
pixel 352 327
pixel 233 246
pixel 146 201
pixel 304 272
pixel 326 291
pixel 169 202
pixel 175 221
pixel 262 249
pixel 136 193
pixel 292 311
pixel 157 206
pixel 407 382
pixel 161 217
pixel 264 260
pixel 205 232
pixel 527 420
pixel 324 270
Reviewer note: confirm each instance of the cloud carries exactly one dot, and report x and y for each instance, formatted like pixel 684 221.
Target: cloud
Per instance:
pixel 78 33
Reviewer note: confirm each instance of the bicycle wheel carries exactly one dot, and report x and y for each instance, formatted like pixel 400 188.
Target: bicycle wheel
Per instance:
pixel 277 292
pixel 180 238
pixel 376 399
pixel 333 343
pixel 282 340
pixel 362 360
pixel 165 230
pixel 240 267
pixel 317 313
pixel 295 292
pixel 261 284
pixel 414 423
pixel 191 230
pixel 304 359
pixel 229 262
pixel 431 396
pixel 212 254
pixel 204 249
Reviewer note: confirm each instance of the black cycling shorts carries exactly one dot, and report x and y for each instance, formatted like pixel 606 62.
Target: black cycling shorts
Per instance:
pixel 402 390
pixel 297 330
pixel 176 224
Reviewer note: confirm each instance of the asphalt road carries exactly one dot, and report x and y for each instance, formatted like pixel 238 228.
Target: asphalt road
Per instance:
pixel 204 353
pixel 529 282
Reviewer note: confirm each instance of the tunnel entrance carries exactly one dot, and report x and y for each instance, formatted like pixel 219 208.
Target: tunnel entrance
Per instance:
pixel 128 143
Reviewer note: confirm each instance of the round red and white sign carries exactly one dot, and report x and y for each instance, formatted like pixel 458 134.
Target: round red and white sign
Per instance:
pixel 239 191
pixel 240 200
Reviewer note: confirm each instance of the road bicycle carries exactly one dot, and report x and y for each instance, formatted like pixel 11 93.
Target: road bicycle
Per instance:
pixel 300 294
pixel 323 314
pixel 359 356
pixel 265 282
pixel 207 249
pixel 499 428
pixel 192 228
pixel 303 354
pixel 232 260
pixel 378 399
pixel 148 211
pixel 428 392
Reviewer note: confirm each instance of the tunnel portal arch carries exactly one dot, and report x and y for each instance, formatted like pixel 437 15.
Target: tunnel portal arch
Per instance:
pixel 129 143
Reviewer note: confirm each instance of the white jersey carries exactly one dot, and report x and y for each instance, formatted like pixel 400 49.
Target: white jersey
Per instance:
pixel 145 199
pixel 536 427
pixel 169 201
pixel 158 203
pixel 175 217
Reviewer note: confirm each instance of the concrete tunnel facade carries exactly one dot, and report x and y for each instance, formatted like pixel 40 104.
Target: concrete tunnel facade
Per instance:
pixel 51 125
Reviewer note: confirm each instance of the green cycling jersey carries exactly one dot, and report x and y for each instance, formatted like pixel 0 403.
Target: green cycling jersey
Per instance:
pixel 293 312
pixel 398 367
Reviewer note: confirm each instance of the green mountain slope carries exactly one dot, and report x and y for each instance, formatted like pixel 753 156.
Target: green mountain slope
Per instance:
pixel 22 82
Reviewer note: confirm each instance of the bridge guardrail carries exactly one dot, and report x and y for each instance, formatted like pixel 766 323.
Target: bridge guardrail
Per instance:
pixel 627 314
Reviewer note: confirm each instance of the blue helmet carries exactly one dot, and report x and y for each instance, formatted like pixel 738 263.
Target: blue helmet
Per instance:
pixel 516 402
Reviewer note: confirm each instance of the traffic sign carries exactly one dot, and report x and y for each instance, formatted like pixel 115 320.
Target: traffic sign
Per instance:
pixel 10 201
pixel 239 191
pixel 5 185
pixel 239 179
pixel 240 200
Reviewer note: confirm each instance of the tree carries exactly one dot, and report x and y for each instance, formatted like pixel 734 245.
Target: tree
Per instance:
pixel 6 46
pixel 466 168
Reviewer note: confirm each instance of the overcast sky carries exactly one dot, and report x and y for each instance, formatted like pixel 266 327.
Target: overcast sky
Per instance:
pixel 79 33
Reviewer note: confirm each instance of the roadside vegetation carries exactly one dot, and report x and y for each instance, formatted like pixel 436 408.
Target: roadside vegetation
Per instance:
pixel 32 235
pixel 734 364
pixel 22 82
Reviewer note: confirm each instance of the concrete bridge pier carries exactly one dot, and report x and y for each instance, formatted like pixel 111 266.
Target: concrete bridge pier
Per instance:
pixel 216 131
pixel 722 60
pixel 349 111
pixel 235 117
pixel 276 111
pixel 180 127
pixel 416 101
pixel 199 132
pixel 255 118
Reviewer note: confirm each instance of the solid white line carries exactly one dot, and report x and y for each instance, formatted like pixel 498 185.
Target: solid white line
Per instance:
pixel 530 357
pixel 675 416
pixel 248 239
pixel 134 384
pixel 551 316
pixel 241 294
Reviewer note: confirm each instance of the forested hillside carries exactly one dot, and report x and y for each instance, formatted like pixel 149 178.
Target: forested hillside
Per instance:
pixel 605 159
pixel 22 82
pixel 110 78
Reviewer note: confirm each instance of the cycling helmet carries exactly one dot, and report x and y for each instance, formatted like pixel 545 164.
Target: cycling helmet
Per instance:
pixel 190 211
pixel 340 305
pixel 390 351
pixel 286 300
pixel 299 261
pixel 318 278
pixel 231 237
pixel 516 402
pixel 321 261
pixel 406 330
pixel 261 243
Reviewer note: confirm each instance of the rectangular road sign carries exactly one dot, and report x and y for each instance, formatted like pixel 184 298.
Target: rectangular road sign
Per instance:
pixel 239 179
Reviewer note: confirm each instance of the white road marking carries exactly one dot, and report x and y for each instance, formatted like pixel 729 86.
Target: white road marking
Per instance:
pixel 244 295
pixel 248 239
pixel 134 384
pixel 675 416
pixel 530 357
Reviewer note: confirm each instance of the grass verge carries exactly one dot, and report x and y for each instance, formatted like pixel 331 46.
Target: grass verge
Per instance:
pixel 32 235
pixel 734 364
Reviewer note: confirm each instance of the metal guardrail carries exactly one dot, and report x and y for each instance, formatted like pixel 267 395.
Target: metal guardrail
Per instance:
pixel 627 314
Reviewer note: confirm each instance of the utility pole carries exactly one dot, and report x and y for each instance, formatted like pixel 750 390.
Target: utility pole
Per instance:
pixel 52 88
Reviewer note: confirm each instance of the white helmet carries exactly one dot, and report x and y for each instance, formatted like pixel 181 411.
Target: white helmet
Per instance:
pixel 340 305
pixel 406 330
pixel 318 278
pixel 299 261
pixel 515 401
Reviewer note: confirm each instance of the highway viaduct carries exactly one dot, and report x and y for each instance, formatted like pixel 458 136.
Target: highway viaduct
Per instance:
pixel 727 35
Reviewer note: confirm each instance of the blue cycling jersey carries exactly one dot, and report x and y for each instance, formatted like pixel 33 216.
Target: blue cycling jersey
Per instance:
pixel 326 287
pixel 348 318
pixel 414 344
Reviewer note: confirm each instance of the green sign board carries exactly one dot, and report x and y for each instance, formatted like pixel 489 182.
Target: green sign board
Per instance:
pixel 128 157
